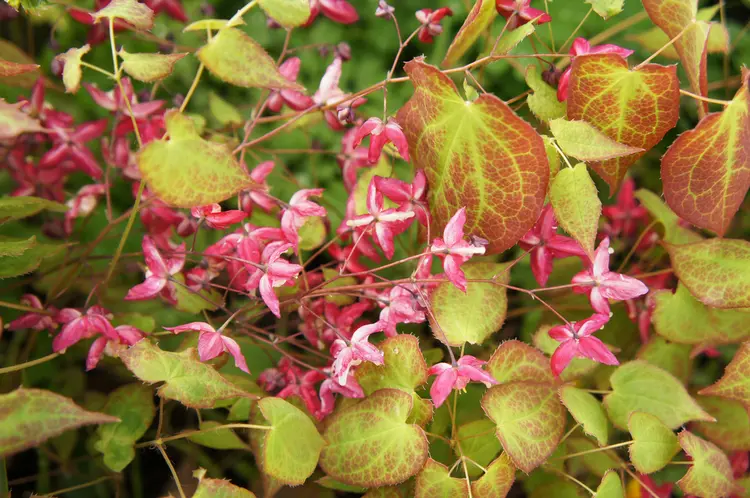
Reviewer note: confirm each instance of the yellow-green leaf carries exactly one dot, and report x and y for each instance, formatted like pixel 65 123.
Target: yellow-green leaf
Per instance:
pixel 731 431
pixel 130 11
pixel 735 383
pixel 16 208
pixel 219 439
pixel 674 232
pixel 610 487
pixel 515 360
pixel 218 488
pixel 149 67
pixel 498 479
pixel 543 101
pixel 577 206
pixel 435 482
pixel 710 474
pixel 585 142
pixel 654 444
pixel 606 8
pixel 288 13
pixel 72 67
pixel 213 24
pixel 479 18
pixel 587 411
pixel 224 112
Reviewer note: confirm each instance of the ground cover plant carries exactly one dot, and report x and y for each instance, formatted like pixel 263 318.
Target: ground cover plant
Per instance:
pixel 353 248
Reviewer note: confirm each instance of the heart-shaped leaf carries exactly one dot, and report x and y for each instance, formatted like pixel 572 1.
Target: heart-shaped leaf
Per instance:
pixel 585 142
pixel 735 383
pixel 478 155
pixel 28 417
pixel 188 171
pixel 498 479
pixel 403 366
pixel 577 206
pixel 639 386
pixel 435 482
pixel 731 431
pixel 711 472
pixel 14 122
pixel 587 411
pixel 218 488
pixel 530 421
pixel 654 444
pixel 610 487
pixel 72 67
pixel 670 356
pixel 606 8
pixel 480 17
pixel 149 67
pixel 130 11
pixel 515 360
pixel 633 107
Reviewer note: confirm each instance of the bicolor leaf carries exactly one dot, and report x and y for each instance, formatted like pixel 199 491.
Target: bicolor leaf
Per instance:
pixel 585 142
pixel 735 383
pixel 610 487
pixel 464 316
pixel 633 107
pixel 9 68
pixel 674 232
pixel 515 360
pixel 478 20
pixel 587 411
pixel 576 203
pixel 543 101
pixel 639 386
pixel 149 67
pixel 530 421
pixel 288 13
pixel 403 366
pixel 186 170
pixel 479 155
pixel 654 444
pixel 72 67
pixel 706 171
pixel 434 481
pixel 130 11
pixel 710 474
pixel 186 379
pixel 370 443
pixel 218 488
pixel 28 417
pixel 716 271
pixel 498 479
pixel 731 431
pixel 235 58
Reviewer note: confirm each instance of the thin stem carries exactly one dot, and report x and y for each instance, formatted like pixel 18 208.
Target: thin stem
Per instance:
pixel 570 478
pixel 185 434
pixel 22 366
pixel 575 31
pixel 559 151
pixel 635 245
pixel 704 99
pixel 79 486
pixel 193 86
pixel 595 450
pixel 668 44
pixel 172 470
pixel 569 433
pixel 21 307
pixel 639 481
pixel 97 69
pixel 124 238
pixel 244 10
pixel 549 26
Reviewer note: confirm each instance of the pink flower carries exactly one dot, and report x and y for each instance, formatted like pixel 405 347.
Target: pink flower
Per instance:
pixel 601 284
pixel 403 307
pixel 384 11
pixel 275 272
pixel 519 12
pixel 78 326
pixel 215 218
pixel 577 341
pixel 83 204
pixel 212 343
pixel 625 216
pixel 31 320
pixel 347 355
pixel 302 384
pixel 386 223
pixel 409 196
pixel 173 8
pixel 351 159
pixel 641 310
pixel 126 335
pixel 294 99
pixel 380 134
pixel 545 245
pixel 117 101
pixel 430 20
pixel 581 46
pixel 258 195
pixel 351 389
pixel 339 11
pixel 455 250
pixel 329 93
pixel 298 210
pixel 450 377
pixel 158 272
pixel 71 146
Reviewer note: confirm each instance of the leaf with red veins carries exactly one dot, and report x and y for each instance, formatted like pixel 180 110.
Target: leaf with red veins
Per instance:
pixel 674 16
pixel 716 271
pixel 480 17
pixel 706 171
pixel 711 473
pixel 735 383
pixel 632 107
pixel 517 361
pixel 478 154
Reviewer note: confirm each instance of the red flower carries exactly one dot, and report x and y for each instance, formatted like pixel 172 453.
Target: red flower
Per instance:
pixel 625 216
pixel 158 273
pixel 347 354
pixel 409 196
pixel 340 11
pixel 300 208
pixel 71 146
pixel 31 320
pixel 215 218
pixel 519 12
pixel 173 8
pixel 294 99
pixel 380 134
pixel 430 20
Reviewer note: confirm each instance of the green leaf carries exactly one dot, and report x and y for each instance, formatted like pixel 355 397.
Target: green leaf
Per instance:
pixel 16 247
pixel 558 488
pixel 654 443
pixel 543 101
pixel 577 368
pixel 672 357
pixel 606 8
pixel 735 383
pixel 465 317
pixel 131 11
pixel 213 24
pixel 133 404
pixel 633 107
pixel 514 360
pixel 288 13
pixel 475 442
pixel 14 122
pixel 498 479
pixel 587 411
pixel 716 271
pixel 221 439
pixel 28 261
pixel 186 379
pixel 312 233
pixel 149 67
pixel 583 141
pixel 329 483
pixel 235 58
pixel 674 232
pixel 16 208
pixel 290 450
pixel 553 157
pixel 598 462
pixel 218 488
pixel 530 421
pixel 479 155
pixel 403 366
pixel 478 20
pixel 610 487
pixel 710 474
pixel 511 38
pixel 188 171
pixel 375 427
pixel 28 417
pixel 193 302
pixel 435 482
pixel 731 431
pixel 639 386
pixel 577 206
pixel 224 112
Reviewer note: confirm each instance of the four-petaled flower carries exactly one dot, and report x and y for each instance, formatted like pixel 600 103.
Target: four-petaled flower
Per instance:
pixel 519 12
pixel 71 146
pixel 380 134
pixel 430 20
pixel 454 250
pixel 581 46
pixel 577 341
pixel 546 244
pixel 78 326
pixel 450 377
pixel 213 217
pixel 274 272
pixel 158 272
pixel 296 100
pixel 347 354
pixel 299 209
pixel 127 335
pixel 409 196
pixel 351 389
pixel 384 11
pixel 33 320
pixel 212 343
pixel 601 284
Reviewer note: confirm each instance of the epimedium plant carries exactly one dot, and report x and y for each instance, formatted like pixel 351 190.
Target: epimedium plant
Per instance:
pixel 358 343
